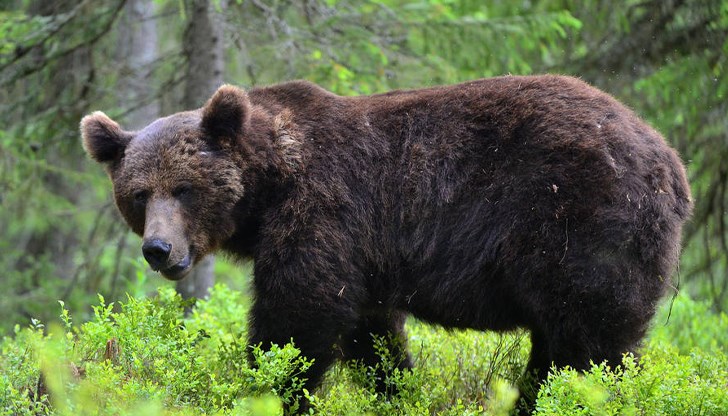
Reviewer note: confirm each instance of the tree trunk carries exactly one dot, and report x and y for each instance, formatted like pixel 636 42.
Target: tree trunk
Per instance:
pixel 203 48
pixel 138 52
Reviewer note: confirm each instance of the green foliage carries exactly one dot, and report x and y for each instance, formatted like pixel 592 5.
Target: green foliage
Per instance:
pixel 687 324
pixel 19 373
pixel 142 356
pixel 664 382
pixel 277 370
pixel 683 370
pixel 364 47
pixel 456 373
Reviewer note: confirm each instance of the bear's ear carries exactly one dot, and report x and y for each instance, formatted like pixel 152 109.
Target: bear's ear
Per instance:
pixel 227 114
pixel 103 139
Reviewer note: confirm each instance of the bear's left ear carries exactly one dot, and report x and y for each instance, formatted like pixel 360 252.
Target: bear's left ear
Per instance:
pixel 227 114
pixel 103 139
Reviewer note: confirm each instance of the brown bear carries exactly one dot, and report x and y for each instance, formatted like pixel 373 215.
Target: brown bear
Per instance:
pixel 514 202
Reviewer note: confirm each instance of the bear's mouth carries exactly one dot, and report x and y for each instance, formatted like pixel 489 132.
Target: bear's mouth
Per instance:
pixel 179 270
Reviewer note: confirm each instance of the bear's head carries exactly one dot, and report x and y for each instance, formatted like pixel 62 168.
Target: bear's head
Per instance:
pixel 186 182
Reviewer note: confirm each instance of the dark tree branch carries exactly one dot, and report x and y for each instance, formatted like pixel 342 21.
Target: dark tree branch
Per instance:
pixel 65 52
pixel 22 50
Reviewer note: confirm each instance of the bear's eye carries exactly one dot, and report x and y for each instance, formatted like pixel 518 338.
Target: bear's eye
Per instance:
pixel 182 190
pixel 140 196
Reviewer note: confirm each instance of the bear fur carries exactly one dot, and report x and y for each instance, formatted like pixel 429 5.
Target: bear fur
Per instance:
pixel 513 202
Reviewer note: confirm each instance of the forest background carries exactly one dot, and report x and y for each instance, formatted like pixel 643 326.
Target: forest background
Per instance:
pixel 61 238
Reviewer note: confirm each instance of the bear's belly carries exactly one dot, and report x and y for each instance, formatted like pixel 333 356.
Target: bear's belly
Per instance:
pixel 463 302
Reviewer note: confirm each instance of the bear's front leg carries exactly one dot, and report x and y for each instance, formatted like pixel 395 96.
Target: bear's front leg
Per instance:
pixel 307 306
pixel 313 332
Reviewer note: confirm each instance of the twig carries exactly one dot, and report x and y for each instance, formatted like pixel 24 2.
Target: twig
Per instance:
pixel 566 243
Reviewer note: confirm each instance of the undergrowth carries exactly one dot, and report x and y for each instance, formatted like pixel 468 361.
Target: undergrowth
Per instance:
pixel 143 357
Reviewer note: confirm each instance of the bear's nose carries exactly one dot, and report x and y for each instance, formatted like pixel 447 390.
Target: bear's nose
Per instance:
pixel 156 252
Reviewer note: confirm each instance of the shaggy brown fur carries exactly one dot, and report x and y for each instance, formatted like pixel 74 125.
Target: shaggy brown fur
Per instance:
pixel 532 202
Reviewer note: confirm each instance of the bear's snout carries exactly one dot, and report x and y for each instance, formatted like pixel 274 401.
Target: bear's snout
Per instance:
pixel 156 252
pixel 164 244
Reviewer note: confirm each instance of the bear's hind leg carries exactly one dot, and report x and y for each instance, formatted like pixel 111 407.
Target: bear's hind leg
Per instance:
pixel 578 336
pixel 536 372
pixel 360 346
pixel 605 313
pixel 577 343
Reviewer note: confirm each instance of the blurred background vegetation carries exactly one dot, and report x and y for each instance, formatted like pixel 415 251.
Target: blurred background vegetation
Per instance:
pixel 60 236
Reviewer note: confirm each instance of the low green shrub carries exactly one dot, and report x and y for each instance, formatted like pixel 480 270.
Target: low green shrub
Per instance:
pixel 144 357
pixel 683 370
pixel 138 360
pixel 664 382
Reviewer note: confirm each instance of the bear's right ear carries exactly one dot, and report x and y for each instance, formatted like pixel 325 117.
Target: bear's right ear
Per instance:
pixel 103 139
pixel 227 114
